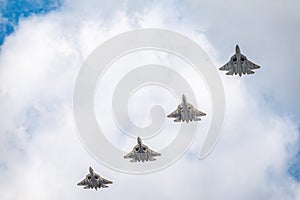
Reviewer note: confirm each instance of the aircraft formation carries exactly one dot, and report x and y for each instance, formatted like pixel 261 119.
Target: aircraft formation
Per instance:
pixel 185 112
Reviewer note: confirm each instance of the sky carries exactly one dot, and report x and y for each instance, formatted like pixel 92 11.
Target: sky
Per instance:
pixel 43 46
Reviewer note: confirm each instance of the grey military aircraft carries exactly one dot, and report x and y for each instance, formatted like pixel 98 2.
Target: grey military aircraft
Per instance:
pixel 186 112
pixel 239 64
pixel 141 152
pixel 93 180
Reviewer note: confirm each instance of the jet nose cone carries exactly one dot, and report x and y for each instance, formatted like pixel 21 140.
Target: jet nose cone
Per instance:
pixel 91 170
pixel 183 98
pixel 139 140
pixel 237 49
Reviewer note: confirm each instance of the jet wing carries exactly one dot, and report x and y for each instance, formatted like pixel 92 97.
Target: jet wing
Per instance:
pixel 174 114
pixel 104 181
pixel 226 67
pixel 198 112
pixel 129 155
pixel 252 65
pixel 83 182
pixel 153 153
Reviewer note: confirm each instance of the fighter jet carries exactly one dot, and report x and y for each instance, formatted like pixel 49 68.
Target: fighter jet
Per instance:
pixel 186 112
pixel 141 152
pixel 93 180
pixel 239 64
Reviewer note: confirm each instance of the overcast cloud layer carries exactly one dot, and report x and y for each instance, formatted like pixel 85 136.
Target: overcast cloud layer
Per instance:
pixel 41 156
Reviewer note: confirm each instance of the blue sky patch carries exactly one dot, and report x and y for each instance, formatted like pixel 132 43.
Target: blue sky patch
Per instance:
pixel 12 10
pixel 294 169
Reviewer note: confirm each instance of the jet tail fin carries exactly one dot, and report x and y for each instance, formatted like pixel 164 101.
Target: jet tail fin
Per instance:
pixel 229 73
pixel 250 72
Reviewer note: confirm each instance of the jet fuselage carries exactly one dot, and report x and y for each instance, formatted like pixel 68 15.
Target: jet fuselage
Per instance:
pixel 238 62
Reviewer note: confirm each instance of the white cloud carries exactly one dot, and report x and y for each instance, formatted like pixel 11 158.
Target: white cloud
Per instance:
pixel 41 156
